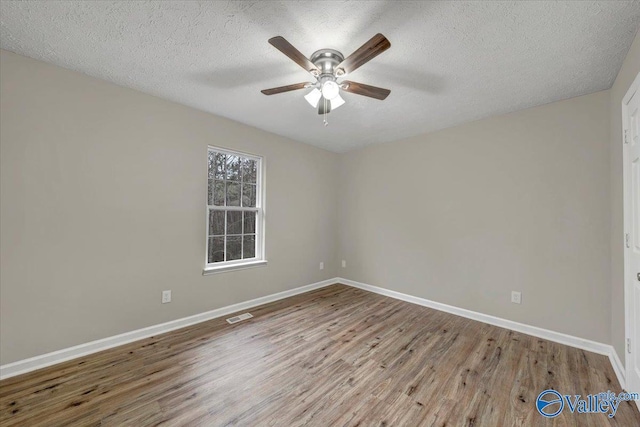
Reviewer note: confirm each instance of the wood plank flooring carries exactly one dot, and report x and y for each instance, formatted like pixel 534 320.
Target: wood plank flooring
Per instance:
pixel 337 356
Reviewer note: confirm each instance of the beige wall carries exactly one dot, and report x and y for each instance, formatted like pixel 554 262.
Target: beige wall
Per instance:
pixel 465 215
pixel 627 74
pixel 103 193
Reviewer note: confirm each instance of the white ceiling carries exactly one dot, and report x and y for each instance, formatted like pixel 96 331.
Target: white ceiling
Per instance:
pixel 449 62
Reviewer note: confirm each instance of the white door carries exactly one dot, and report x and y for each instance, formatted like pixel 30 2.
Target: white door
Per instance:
pixel 631 129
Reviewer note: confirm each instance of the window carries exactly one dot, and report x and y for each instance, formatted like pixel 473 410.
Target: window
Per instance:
pixel 234 210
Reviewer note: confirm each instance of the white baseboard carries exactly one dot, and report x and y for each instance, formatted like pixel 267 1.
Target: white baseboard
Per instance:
pixel 547 334
pixel 42 361
pixel 618 368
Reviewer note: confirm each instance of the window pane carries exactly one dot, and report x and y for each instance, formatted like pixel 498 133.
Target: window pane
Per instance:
pixel 216 249
pixel 218 193
pixel 249 247
pixel 234 222
pixel 216 223
pixel 249 170
pixel 234 247
pixel 219 166
pixel 212 164
pixel 210 192
pixel 249 222
pixel 233 193
pixel 249 195
pixel 233 168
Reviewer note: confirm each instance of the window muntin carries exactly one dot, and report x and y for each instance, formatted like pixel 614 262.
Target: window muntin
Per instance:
pixel 234 208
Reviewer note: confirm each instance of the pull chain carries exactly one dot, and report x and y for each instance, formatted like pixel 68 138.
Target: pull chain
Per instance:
pixel 326 123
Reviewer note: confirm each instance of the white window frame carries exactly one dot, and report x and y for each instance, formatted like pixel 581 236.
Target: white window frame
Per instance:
pixel 259 259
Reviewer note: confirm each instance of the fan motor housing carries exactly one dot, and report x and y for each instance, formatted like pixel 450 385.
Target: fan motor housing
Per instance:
pixel 326 60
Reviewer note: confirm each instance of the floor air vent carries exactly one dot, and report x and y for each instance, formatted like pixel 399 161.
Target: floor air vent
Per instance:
pixel 240 318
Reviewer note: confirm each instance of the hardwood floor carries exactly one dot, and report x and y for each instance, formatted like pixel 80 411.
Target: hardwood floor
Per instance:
pixel 335 356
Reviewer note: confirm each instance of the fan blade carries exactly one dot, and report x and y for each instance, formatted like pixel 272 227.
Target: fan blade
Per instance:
pixel 374 47
pixel 294 54
pixel 366 90
pixel 324 106
pixel 282 89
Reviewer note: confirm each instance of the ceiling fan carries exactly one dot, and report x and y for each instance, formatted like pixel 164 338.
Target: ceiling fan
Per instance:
pixel 327 65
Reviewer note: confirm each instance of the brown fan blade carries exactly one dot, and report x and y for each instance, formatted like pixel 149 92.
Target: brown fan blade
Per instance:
pixel 282 89
pixel 366 90
pixel 374 47
pixel 324 107
pixel 294 54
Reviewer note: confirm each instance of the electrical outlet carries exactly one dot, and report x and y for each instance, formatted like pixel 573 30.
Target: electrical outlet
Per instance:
pixel 166 297
pixel 516 297
pixel 322 266
pixel 344 264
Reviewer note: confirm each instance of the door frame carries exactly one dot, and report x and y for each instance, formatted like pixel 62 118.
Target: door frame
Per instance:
pixel 626 201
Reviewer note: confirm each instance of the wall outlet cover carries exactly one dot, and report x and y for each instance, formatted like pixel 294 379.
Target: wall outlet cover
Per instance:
pixel 166 296
pixel 516 297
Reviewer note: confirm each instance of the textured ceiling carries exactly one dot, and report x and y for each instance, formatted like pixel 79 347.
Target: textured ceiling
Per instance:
pixel 449 62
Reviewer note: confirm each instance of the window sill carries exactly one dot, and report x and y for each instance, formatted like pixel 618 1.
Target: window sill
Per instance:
pixel 224 268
